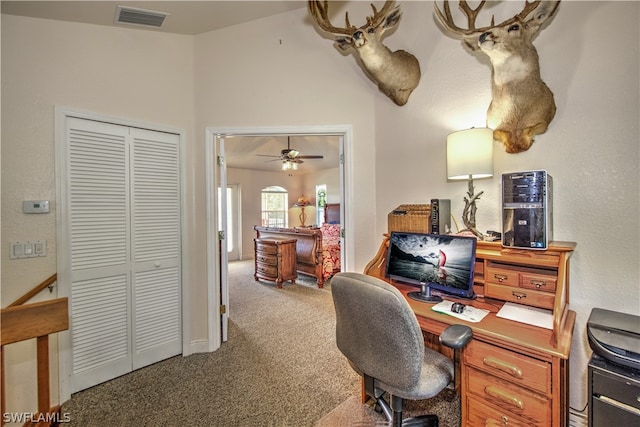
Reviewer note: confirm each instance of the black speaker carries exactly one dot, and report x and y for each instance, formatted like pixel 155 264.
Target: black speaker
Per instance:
pixel 527 209
pixel 440 216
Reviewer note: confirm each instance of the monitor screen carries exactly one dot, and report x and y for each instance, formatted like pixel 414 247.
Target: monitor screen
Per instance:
pixel 441 261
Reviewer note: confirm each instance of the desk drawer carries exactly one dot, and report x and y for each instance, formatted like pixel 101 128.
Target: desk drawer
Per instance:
pixel 483 414
pixel 520 295
pixel 266 258
pixel 539 282
pixel 505 275
pixel 513 367
pixel 507 396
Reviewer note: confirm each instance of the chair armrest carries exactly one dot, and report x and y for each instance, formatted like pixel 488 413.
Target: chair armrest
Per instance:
pixel 456 336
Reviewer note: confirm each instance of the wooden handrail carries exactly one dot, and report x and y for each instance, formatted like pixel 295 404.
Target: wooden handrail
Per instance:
pixel 35 320
pixel 33 292
pixel 20 322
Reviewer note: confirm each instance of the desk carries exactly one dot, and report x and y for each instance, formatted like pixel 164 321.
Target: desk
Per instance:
pixel 510 373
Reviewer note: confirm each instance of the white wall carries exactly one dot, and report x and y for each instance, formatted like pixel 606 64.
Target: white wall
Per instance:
pixel 138 75
pixel 280 72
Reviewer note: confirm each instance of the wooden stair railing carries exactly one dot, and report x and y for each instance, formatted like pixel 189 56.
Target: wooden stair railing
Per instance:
pixel 36 290
pixel 37 320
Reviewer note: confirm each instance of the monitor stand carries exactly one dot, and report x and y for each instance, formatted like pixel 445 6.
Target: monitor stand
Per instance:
pixel 424 295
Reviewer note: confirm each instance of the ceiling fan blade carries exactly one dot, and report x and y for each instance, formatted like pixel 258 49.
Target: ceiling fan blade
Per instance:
pixel 310 157
pixel 267 155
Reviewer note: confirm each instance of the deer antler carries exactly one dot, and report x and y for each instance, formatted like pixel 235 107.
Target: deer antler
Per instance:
pixel 378 17
pixel 472 14
pixel 319 11
pixel 396 73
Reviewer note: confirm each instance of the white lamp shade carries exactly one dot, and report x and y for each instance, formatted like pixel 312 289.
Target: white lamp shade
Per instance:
pixel 470 154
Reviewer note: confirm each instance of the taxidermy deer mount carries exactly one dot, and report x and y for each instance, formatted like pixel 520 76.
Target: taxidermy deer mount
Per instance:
pixel 522 105
pixel 396 73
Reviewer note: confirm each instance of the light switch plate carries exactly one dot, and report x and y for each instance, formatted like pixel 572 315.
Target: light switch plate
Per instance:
pixel 27 249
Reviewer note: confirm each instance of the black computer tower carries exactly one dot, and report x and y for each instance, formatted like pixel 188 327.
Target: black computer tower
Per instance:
pixel 440 216
pixel 527 209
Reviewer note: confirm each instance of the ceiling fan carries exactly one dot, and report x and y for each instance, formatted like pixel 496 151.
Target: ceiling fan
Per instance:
pixel 290 155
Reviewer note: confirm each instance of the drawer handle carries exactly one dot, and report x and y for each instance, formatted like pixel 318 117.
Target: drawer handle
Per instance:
pixel 519 295
pixel 538 283
pixel 501 277
pixel 500 365
pixel 504 396
pixel 491 422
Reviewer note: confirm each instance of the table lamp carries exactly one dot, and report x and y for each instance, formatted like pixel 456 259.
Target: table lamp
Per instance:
pixel 469 156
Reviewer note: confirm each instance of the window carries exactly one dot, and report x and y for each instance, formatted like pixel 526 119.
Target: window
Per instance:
pixel 274 207
pixel 321 201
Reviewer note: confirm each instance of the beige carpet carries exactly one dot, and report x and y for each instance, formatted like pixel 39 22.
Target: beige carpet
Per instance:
pixel 280 367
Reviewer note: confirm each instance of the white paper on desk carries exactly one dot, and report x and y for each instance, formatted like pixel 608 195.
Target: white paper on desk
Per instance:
pixel 525 314
pixel 470 313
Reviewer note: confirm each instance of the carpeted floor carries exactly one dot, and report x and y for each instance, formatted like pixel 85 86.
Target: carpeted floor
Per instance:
pixel 280 367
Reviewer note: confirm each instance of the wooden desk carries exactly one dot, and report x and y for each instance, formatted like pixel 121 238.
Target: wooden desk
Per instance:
pixel 510 373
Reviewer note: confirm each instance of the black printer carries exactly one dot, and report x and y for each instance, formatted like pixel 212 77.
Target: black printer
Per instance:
pixel 615 336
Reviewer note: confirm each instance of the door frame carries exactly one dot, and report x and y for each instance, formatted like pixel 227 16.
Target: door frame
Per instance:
pixel 214 300
pixel 63 289
pixel 236 253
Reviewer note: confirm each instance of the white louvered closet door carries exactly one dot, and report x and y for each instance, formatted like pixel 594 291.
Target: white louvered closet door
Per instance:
pixel 156 247
pixel 123 204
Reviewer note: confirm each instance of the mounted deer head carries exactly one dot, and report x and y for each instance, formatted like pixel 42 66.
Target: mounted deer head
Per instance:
pixel 522 105
pixel 396 73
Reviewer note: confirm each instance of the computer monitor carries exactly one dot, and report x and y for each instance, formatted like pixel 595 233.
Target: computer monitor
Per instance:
pixel 432 261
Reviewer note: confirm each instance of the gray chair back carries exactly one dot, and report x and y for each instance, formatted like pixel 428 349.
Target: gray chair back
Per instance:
pixel 377 330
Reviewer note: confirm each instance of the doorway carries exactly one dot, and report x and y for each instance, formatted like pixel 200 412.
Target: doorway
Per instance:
pixel 216 177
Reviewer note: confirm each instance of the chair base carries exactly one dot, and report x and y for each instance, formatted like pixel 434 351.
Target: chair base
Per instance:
pixel 422 421
pixel 393 414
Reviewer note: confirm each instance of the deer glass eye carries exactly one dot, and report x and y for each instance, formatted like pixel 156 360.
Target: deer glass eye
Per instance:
pixel 514 27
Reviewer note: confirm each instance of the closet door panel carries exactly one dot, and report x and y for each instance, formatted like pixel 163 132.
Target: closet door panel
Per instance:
pixel 98 227
pixel 156 246
pixel 100 333
pixel 157 332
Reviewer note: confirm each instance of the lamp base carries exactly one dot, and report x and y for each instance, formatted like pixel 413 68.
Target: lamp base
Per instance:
pixel 471 233
pixel 470 208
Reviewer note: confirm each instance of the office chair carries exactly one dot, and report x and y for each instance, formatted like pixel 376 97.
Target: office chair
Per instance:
pixel 378 332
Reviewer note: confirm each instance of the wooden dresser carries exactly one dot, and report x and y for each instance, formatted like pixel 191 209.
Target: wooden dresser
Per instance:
pixel 511 373
pixel 275 260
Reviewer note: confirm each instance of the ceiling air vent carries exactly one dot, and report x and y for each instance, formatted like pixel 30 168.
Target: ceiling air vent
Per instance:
pixel 133 16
